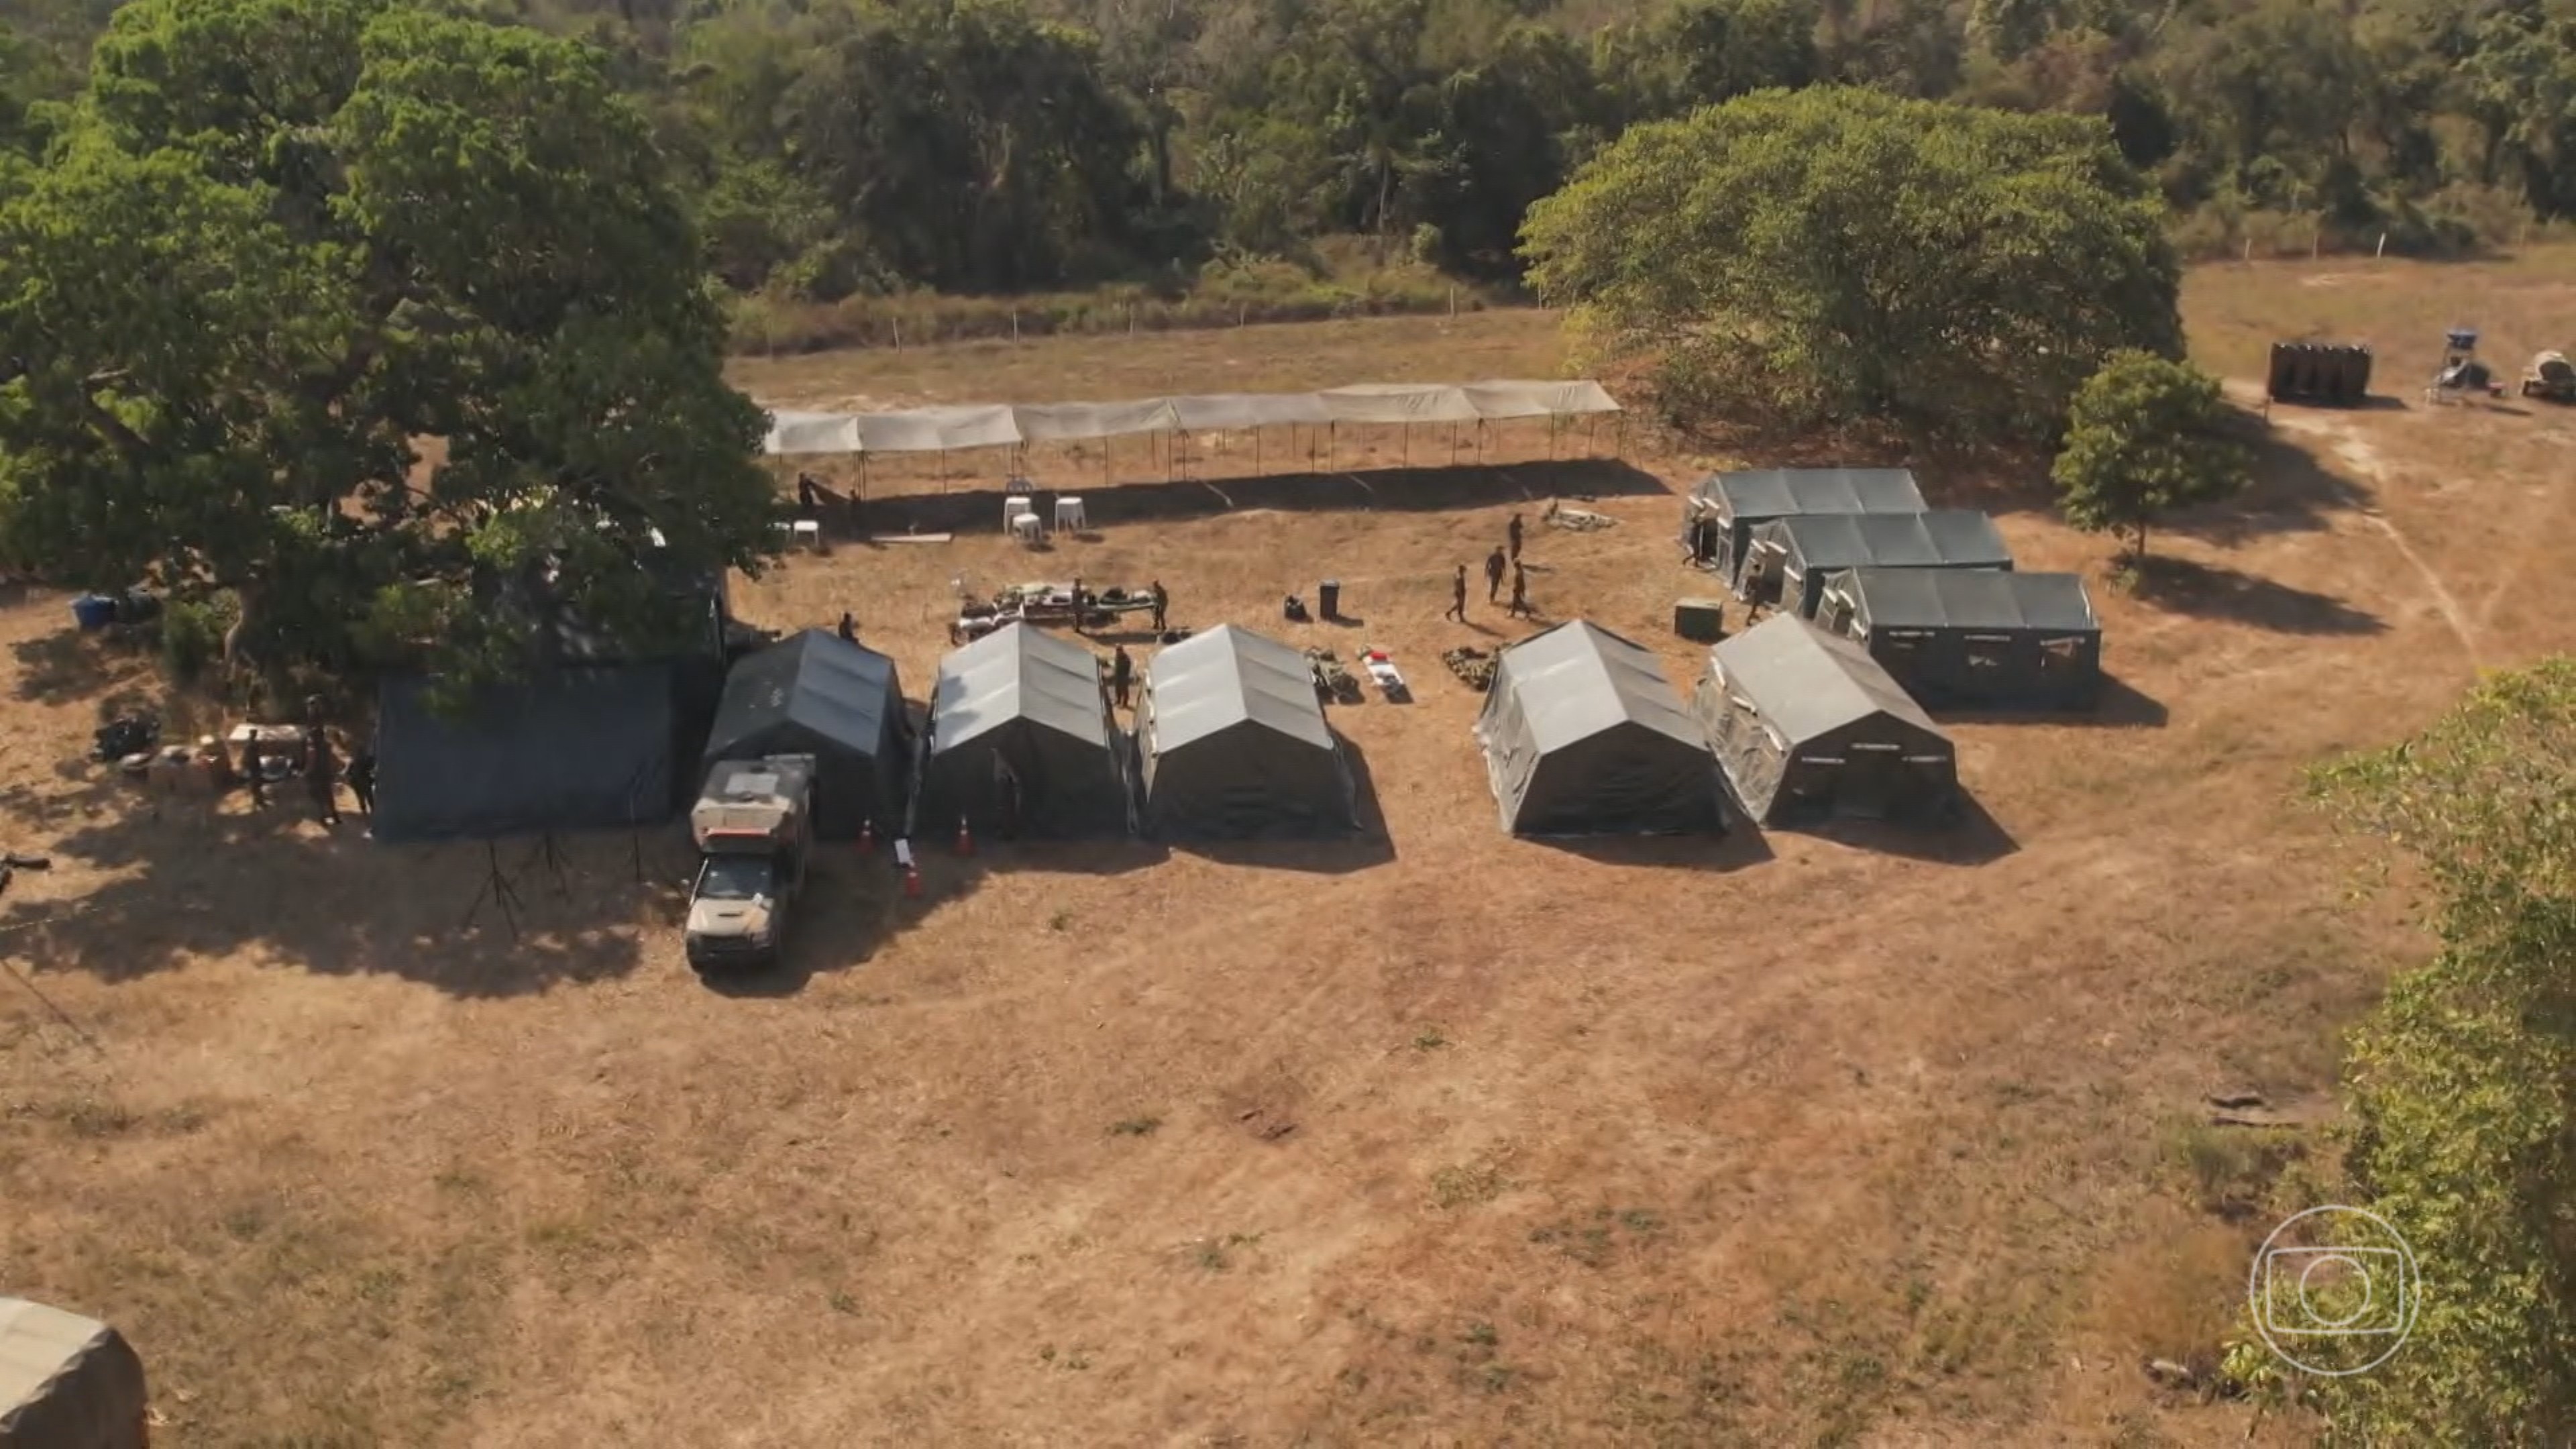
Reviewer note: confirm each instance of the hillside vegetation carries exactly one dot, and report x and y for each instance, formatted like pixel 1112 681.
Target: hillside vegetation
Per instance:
pixel 854 149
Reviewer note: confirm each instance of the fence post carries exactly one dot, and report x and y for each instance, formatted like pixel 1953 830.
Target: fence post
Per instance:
pixel 1453 302
pixel 1238 314
pixel 1015 324
pixel 2383 247
pixel 898 334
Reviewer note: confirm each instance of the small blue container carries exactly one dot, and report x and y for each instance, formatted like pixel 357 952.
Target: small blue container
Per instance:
pixel 92 611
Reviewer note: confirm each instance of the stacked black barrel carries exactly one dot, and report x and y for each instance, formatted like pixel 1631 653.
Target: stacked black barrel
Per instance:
pixel 2320 372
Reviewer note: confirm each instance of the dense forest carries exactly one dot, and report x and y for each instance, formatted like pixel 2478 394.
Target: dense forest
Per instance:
pixel 846 147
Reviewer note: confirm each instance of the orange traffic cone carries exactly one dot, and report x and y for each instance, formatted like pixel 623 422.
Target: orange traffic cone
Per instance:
pixel 867 836
pixel 912 880
pixel 965 838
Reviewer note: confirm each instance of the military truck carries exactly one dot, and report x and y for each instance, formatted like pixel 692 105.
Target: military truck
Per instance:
pixel 752 824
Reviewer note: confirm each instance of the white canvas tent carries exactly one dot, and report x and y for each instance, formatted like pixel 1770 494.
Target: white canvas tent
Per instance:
pixel 945 429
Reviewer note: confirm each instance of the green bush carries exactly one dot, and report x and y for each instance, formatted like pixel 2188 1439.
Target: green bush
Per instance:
pixel 192 635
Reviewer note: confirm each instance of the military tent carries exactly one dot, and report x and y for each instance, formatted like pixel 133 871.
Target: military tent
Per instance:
pixel 821 695
pixel 1583 736
pixel 1021 711
pixel 572 749
pixel 1792 556
pixel 1973 638
pixel 1232 744
pixel 1719 517
pixel 67 1382
pixel 1807 726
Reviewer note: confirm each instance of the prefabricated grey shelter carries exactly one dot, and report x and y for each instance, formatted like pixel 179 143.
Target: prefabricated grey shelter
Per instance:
pixel 1232 744
pixel 1973 638
pixel 1719 517
pixel 573 749
pixel 1583 735
pixel 1808 727
pixel 1792 556
pixel 67 1382
pixel 1021 713
pixel 821 695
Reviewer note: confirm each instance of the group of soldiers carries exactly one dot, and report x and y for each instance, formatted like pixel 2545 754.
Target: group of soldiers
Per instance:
pixel 321 770
pixel 1508 555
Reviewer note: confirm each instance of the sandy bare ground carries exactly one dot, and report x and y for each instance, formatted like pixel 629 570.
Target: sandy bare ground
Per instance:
pixel 1442 1138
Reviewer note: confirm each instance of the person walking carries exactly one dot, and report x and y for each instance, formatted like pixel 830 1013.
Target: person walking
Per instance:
pixel 1512 534
pixel 251 772
pixel 1162 602
pixel 1493 574
pixel 1122 676
pixel 362 780
pixel 1520 606
pixel 320 780
pixel 1457 597
pixel 849 627
pixel 808 502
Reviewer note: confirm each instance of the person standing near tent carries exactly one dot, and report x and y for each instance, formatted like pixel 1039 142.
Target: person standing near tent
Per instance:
pixel 251 772
pixel 1512 534
pixel 1520 607
pixel 1162 602
pixel 1458 597
pixel 362 780
pixel 1122 676
pixel 321 779
pixel 1493 574
pixel 849 627
pixel 807 502
pixel 1006 794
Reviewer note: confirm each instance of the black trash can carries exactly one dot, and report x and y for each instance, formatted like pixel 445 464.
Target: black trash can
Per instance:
pixel 1328 598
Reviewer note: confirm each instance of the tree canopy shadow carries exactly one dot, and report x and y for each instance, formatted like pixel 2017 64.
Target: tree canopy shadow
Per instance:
pixel 2214 591
pixel 1426 489
pixel 2291 491
pixel 70 664
pixel 482 920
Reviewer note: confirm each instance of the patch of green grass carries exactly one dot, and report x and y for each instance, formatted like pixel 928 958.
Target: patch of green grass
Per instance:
pixel 1466 1184
pixel 2229 1170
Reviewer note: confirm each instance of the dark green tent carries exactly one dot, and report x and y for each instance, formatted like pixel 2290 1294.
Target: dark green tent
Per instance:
pixel 1792 556
pixel 1232 744
pixel 1719 517
pixel 821 695
pixel 1583 736
pixel 1020 710
pixel 1808 727
pixel 1973 638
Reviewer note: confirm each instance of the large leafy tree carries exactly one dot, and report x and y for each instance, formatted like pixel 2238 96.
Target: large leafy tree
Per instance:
pixel 1852 254
pixel 373 318
pixel 2463 1083
pixel 2145 436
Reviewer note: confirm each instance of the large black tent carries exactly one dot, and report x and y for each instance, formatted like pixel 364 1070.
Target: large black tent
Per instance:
pixel 575 749
pixel 818 694
pixel 1792 556
pixel 1020 709
pixel 1232 744
pixel 1583 736
pixel 1973 637
pixel 1807 726
pixel 1719 517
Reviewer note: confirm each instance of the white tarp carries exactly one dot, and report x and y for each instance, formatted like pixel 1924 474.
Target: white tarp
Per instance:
pixel 941 429
pixel 1085 422
pixel 813 433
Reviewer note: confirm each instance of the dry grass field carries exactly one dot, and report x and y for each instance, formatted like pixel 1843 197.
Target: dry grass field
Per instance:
pixel 1440 1138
